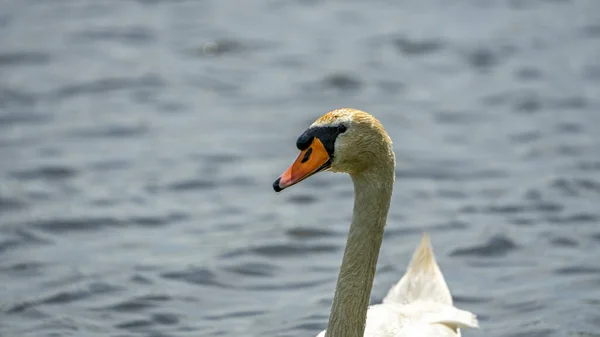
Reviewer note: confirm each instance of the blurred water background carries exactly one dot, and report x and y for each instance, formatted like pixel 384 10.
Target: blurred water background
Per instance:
pixel 139 141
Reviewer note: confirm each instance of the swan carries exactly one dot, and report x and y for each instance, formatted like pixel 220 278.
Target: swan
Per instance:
pixel 420 304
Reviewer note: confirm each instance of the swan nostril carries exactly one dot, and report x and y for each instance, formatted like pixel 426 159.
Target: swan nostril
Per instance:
pixel 306 155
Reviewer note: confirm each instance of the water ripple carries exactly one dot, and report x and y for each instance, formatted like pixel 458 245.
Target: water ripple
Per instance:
pixel 577 270
pixel 572 219
pixel 165 318
pixel 496 246
pixel 484 58
pixel 134 324
pixel 192 184
pixel 21 237
pixel 11 97
pixel 16 59
pixel 47 173
pixel 414 47
pixel 233 314
pixel 107 85
pixel 127 35
pixel 152 221
pixel 448 173
pixel 65 225
pixel 111 131
pixel 283 250
pixel 66 296
pixel 302 199
pixel 196 275
pixel 308 233
pixel 137 304
pixel 341 82
pixel 23 117
pixel 564 242
pixel 525 306
pixel 257 269
pixel 11 204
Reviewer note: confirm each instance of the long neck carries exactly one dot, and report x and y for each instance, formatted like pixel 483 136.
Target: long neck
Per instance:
pixel 372 195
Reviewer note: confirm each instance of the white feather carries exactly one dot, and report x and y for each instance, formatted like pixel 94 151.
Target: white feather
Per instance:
pixel 419 305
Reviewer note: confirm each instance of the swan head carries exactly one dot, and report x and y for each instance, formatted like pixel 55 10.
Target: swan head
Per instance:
pixel 343 140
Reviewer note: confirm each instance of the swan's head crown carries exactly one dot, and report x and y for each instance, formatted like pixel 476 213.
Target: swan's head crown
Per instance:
pixel 343 140
pixel 363 145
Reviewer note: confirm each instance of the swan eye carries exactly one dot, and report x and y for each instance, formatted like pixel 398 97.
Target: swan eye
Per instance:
pixel 342 128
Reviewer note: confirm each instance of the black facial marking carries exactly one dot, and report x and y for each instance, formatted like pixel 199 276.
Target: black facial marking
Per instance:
pixel 326 134
pixel 307 155
pixel 304 141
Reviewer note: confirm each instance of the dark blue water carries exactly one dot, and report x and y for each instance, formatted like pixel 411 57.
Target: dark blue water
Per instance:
pixel 139 141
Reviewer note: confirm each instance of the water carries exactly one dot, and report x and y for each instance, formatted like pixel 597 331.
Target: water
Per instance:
pixel 139 141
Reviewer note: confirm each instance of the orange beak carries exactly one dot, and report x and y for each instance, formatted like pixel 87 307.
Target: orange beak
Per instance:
pixel 309 162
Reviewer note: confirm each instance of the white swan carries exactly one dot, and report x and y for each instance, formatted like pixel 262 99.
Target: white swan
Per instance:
pixel 354 142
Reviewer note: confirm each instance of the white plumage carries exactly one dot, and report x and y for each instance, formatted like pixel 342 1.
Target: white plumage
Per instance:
pixel 420 304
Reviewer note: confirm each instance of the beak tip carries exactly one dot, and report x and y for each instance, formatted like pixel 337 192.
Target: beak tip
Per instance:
pixel 276 186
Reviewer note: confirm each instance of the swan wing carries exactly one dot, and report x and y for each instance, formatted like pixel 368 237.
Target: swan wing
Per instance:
pixel 437 313
pixel 423 279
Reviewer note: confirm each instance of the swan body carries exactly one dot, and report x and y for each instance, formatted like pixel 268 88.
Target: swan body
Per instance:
pixel 420 304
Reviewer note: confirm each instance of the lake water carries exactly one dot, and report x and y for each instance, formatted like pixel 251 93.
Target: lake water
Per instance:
pixel 139 141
